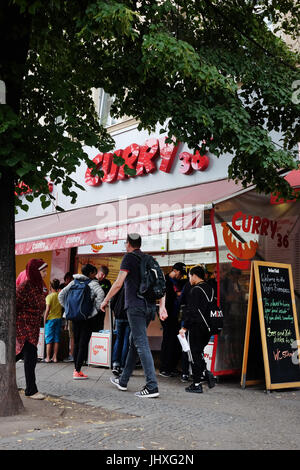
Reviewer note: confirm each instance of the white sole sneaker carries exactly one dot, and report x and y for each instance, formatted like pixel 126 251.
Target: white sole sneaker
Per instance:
pixel 115 381
pixel 145 393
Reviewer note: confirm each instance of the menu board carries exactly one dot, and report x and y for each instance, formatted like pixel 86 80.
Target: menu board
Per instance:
pixel 272 315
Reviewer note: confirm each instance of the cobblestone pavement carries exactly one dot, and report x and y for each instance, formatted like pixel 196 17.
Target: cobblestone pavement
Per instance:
pixel 225 417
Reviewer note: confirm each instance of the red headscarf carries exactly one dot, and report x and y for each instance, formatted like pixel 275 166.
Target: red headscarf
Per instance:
pixel 33 272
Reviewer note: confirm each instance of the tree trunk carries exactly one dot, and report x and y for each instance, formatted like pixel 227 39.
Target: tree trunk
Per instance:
pixel 14 40
pixel 10 401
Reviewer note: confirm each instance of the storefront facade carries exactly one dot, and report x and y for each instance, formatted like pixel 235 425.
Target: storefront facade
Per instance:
pixel 175 200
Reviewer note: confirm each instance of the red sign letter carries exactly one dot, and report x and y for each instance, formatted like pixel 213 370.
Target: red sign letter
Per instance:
pixel 167 153
pixel 94 180
pixel 130 155
pixel 148 153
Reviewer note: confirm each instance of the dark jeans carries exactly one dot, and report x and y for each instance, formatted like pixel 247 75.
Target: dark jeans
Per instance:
pixel 82 332
pixel 29 354
pixel 139 320
pixel 121 345
pixel 198 340
pixel 185 363
pixel 170 352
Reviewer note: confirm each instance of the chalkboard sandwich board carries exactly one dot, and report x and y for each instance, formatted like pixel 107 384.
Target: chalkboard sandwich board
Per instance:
pixel 271 316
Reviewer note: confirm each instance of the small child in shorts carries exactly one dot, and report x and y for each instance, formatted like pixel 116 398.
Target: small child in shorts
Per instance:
pixel 52 321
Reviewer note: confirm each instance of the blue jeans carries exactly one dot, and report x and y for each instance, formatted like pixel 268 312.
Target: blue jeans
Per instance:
pixel 122 343
pixel 139 320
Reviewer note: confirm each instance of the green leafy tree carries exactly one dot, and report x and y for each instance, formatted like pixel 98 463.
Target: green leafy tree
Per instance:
pixel 213 71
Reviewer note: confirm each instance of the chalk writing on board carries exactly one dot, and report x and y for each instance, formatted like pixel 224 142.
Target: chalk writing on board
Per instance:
pixel 273 304
pixel 271 283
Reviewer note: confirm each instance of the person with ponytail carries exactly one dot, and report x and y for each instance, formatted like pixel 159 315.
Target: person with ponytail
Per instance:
pixel 52 321
pixel 30 306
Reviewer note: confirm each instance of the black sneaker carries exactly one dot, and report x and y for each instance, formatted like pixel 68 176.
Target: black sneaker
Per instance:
pixel 146 393
pixel 174 373
pixel 115 381
pixel 164 373
pixel 194 388
pixel 210 379
pixel 184 378
pixel 116 370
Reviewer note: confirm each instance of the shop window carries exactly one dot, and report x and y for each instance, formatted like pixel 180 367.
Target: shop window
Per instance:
pixel 104 102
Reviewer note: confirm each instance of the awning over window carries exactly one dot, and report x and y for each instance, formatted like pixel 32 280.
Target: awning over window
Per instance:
pixel 179 209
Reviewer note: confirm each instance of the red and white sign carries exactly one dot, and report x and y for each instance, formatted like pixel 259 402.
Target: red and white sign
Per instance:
pixel 142 159
pixel 25 189
pixel 100 349
pixel 208 354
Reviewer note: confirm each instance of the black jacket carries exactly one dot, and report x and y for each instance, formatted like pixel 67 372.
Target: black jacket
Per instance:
pixel 197 300
pixel 117 305
pixel 171 296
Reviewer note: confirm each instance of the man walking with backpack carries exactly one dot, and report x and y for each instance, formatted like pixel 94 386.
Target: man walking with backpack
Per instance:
pixel 139 313
pixel 81 300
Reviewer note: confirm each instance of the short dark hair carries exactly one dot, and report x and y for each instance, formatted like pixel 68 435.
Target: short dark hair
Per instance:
pixel 68 275
pixel 104 269
pixel 88 269
pixel 134 239
pixel 55 283
pixel 198 271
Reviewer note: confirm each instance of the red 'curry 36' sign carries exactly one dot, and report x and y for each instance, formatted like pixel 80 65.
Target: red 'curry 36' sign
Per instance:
pixel 142 158
pixel 245 251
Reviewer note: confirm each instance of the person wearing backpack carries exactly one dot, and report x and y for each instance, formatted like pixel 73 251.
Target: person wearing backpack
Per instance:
pixel 196 324
pixel 140 312
pixel 81 299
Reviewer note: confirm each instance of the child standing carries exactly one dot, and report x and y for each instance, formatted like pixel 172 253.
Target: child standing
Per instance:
pixel 52 321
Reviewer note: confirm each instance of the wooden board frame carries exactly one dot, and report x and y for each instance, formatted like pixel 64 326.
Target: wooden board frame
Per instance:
pixel 255 284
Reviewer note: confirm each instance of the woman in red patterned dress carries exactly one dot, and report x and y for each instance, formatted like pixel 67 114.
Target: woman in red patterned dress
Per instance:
pixel 30 306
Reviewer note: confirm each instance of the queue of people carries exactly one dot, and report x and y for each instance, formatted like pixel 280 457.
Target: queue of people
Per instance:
pixel 178 313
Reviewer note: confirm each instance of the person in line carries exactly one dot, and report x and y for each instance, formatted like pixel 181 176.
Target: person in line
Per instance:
pixel 105 285
pixel 170 348
pixel 121 346
pixel 30 306
pixel 68 277
pixel 198 334
pixel 22 277
pixel 102 278
pixel 139 314
pixel 185 363
pixel 83 329
pixel 52 322
pixel 212 281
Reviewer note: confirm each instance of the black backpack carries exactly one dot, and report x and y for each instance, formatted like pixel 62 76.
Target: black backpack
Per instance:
pixel 213 315
pixel 152 285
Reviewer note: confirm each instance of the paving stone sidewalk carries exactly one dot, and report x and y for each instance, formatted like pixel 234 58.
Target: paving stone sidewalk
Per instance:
pixel 100 417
